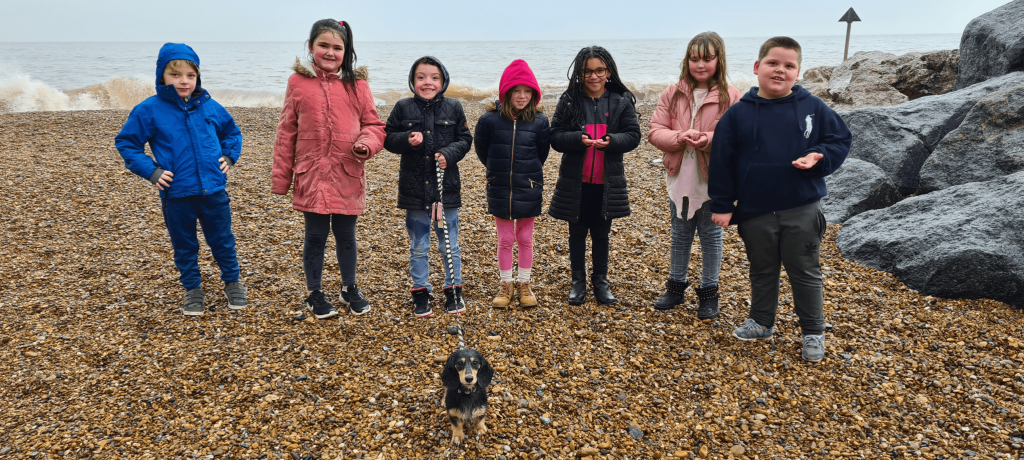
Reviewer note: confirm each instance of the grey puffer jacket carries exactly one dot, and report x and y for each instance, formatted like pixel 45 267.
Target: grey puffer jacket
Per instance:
pixel 442 122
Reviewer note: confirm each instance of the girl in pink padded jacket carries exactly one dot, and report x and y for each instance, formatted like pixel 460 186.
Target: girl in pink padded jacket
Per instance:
pixel 683 127
pixel 329 128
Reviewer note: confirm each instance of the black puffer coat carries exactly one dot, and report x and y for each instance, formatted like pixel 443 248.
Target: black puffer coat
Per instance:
pixel 514 153
pixel 443 124
pixel 624 132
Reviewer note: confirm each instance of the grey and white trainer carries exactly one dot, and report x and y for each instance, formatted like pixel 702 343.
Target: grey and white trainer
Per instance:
pixel 193 304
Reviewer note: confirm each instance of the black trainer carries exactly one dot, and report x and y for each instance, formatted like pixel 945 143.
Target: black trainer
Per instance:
pixel 421 299
pixel 357 304
pixel 453 300
pixel 322 309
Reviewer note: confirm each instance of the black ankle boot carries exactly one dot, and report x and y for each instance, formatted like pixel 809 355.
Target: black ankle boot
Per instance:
pixel 675 294
pixel 579 287
pixel 708 308
pixel 601 290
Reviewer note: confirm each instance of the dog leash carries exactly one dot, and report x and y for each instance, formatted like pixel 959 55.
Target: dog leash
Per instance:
pixel 449 261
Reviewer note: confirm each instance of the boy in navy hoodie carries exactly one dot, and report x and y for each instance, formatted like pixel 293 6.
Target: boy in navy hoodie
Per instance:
pixel 195 142
pixel 771 154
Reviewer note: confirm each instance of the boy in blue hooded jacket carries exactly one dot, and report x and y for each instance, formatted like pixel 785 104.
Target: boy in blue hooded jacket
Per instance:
pixel 771 154
pixel 195 142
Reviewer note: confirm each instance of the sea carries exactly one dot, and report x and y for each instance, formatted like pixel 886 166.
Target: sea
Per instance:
pixel 91 76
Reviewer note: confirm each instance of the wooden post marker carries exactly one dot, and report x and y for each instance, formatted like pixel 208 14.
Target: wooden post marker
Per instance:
pixel 848 18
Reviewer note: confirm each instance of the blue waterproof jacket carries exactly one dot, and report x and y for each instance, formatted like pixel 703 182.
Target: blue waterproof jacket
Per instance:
pixel 756 142
pixel 187 138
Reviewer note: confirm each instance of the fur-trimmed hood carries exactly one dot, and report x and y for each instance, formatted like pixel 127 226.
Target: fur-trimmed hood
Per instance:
pixel 305 68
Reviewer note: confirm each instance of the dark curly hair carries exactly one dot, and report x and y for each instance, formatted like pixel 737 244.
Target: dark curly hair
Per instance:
pixel 344 30
pixel 575 91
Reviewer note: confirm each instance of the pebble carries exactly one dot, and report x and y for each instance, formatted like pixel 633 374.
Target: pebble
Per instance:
pixel 635 432
pixel 737 450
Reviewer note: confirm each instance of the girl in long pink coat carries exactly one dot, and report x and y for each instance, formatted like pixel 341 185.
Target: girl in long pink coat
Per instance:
pixel 683 127
pixel 329 128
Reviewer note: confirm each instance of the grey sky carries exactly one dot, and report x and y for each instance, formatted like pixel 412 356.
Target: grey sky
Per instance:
pixel 401 20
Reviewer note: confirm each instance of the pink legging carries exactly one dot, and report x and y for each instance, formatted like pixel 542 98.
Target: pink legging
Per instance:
pixel 520 232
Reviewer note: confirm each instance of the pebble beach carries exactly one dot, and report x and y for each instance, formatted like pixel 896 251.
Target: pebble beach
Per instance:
pixel 98 361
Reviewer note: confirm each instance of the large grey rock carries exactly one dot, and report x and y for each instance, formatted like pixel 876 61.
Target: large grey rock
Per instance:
pixel 989 143
pixel 926 74
pixel 864 80
pixel 900 138
pixel 855 187
pixel 992 45
pixel 961 242
pixel 877 79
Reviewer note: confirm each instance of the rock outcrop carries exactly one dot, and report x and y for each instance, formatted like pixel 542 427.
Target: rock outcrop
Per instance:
pixel 961 242
pixel 900 138
pixel 877 79
pixel 992 45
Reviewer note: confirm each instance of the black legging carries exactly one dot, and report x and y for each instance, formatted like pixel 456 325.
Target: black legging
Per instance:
pixel 591 200
pixel 317 228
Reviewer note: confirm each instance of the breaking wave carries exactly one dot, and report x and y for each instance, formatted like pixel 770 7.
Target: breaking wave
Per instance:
pixel 21 93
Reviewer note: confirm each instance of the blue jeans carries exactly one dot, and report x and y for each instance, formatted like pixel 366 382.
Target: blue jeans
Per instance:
pixel 682 239
pixel 213 212
pixel 418 223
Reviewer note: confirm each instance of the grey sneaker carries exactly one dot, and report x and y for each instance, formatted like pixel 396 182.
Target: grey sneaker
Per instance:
pixel 750 330
pixel 814 347
pixel 193 305
pixel 236 294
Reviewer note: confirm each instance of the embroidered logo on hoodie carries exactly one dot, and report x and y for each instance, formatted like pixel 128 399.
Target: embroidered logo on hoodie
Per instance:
pixel 810 126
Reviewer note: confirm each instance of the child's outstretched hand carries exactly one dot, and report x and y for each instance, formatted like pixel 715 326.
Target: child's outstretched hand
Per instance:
pixel 602 143
pixel 807 161
pixel 693 138
pixel 415 138
pixel 165 180
pixel 225 167
pixel 722 220
pixel 587 141
pixel 440 160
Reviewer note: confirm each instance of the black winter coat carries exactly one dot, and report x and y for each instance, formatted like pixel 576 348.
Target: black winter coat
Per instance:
pixel 514 153
pixel 443 124
pixel 624 132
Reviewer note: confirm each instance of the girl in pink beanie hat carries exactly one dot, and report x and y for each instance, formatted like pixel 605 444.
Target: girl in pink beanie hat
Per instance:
pixel 511 141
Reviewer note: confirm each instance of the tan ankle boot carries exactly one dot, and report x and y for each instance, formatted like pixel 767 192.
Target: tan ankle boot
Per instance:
pixel 526 297
pixel 504 295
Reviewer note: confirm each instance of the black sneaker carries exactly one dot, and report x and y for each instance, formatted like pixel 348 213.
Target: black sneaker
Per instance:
pixel 322 309
pixel 421 299
pixel 453 300
pixel 357 304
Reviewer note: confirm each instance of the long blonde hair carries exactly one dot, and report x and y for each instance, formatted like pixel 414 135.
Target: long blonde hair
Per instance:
pixel 702 45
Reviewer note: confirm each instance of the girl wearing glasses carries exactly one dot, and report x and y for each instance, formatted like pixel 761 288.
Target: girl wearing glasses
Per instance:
pixel 682 127
pixel 594 125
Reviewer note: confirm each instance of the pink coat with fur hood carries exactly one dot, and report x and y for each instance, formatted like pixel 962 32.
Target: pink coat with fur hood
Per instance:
pixel 670 121
pixel 321 121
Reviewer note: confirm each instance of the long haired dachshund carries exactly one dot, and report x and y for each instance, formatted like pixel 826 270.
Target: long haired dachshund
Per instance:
pixel 466 376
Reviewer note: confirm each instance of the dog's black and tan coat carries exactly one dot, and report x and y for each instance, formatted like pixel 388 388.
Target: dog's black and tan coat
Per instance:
pixel 466 376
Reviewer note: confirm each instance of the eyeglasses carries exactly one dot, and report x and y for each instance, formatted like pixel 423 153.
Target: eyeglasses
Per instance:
pixel 600 72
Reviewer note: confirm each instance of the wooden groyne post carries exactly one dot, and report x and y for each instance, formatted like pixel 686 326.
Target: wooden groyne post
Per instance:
pixel 848 18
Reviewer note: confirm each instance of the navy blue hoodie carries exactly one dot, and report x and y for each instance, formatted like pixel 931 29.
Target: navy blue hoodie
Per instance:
pixel 756 142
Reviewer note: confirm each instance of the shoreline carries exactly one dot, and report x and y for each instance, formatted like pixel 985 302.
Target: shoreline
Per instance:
pixel 101 362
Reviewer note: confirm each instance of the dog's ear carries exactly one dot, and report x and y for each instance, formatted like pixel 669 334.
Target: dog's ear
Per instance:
pixel 450 375
pixel 485 374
